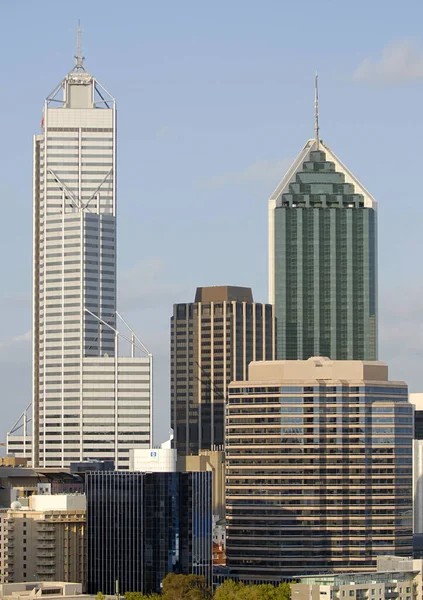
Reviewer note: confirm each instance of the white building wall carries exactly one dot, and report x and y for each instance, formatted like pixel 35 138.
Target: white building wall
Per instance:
pixel 87 403
pixel 153 460
pixel 46 502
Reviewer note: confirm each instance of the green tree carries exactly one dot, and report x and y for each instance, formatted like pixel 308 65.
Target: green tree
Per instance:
pixel 141 596
pixel 185 587
pixel 100 596
pixel 232 590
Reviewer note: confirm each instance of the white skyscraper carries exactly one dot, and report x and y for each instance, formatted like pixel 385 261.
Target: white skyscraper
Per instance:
pixel 88 401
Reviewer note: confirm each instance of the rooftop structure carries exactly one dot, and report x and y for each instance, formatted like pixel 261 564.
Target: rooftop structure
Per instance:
pixel 323 259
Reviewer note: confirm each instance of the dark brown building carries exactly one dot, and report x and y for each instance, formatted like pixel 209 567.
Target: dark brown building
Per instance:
pixel 212 342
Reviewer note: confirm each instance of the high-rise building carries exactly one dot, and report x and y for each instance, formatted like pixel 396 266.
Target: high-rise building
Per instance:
pixel 416 400
pixel 45 539
pixel 323 260
pixel 88 400
pixel 142 526
pixel 318 468
pixel 212 341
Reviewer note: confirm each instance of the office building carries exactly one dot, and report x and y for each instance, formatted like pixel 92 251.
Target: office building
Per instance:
pixel 142 526
pixel 318 468
pixel 212 461
pixel 323 259
pixel 89 401
pixel 416 400
pixel 45 539
pixel 212 341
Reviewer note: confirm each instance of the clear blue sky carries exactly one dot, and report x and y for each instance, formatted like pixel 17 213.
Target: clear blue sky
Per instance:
pixel 214 100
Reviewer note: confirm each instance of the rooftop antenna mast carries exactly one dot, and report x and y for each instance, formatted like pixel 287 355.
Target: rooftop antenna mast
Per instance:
pixel 79 59
pixel 316 109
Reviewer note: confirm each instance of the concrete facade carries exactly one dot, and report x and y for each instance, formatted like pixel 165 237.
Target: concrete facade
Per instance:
pixel 88 400
pixel 45 540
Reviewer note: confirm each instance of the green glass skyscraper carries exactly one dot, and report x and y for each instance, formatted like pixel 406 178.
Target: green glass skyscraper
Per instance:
pixel 323 260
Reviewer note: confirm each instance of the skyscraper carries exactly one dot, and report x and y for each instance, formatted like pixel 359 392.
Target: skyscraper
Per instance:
pixel 88 401
pixel 212 341
pixel 322 260
pixel 318 468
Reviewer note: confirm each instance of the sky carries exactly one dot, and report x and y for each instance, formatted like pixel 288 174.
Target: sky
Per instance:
pixel 215 99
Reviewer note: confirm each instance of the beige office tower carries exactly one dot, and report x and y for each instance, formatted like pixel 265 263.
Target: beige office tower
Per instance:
pixel 88 400
pixel 45 540
pixel 212 341
pixel 318 468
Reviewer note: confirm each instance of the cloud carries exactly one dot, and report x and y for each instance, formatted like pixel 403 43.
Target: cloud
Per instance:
pixel 400 63
pixel 24 337
pixel 262 171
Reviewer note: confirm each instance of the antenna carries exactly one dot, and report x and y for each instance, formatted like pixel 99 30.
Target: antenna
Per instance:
pixel 79 59
pixel 316 109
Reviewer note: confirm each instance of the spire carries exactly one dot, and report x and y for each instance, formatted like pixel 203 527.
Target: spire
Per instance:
pixel 316 109
pixel 79 59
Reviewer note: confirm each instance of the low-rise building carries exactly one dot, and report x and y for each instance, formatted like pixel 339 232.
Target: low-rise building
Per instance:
pixel 396 577
pixel 38 589
pixel 44 540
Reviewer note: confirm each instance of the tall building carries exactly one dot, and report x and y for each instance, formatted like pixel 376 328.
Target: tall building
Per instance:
pixel 318 468
pixel 142 526
pixel 88 400
pixel 416 400
pixel 323 260
pixel 212 341
pixel 45 540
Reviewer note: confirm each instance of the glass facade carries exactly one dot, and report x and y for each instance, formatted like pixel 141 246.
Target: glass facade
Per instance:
pixel 325 280
pixel 318 477
pixel 142 526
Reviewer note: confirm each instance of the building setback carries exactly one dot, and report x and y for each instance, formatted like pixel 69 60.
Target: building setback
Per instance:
pixel 318 468
pixel 212 341
pixel 88 400
pixel 323 260
pixel 142 526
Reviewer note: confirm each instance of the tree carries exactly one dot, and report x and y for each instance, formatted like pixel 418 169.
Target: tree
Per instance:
pixel 100 596
pixel 232 590
pixel 185 587
pixel 141 596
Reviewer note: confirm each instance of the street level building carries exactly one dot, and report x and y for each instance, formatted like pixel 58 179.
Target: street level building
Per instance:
pixel 323 259
pixel 318 468
pixel 396 577
pixel 212 341
pixel 142 526
pixel 89 401
pixel 37 589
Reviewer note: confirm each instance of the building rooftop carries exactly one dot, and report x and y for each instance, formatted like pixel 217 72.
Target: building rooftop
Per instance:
pixel 318 368
pixel 222 293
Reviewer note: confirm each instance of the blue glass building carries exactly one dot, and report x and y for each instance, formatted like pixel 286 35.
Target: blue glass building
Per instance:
pixel 142 526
